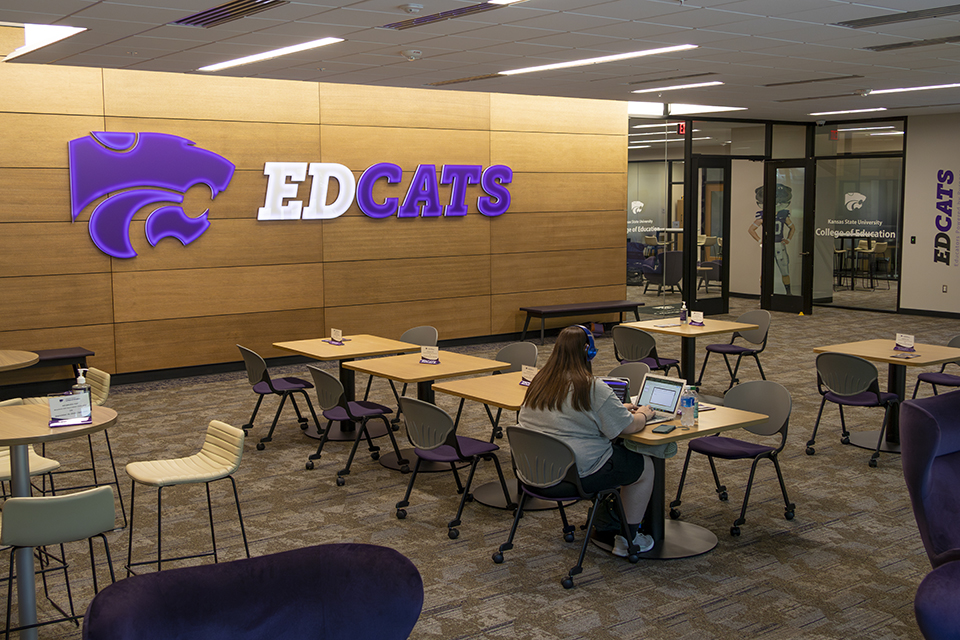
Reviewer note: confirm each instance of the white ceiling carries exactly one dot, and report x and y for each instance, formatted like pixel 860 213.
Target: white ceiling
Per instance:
pixel 746 44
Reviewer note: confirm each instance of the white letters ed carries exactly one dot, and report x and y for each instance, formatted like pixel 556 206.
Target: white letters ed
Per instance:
pixel 279 189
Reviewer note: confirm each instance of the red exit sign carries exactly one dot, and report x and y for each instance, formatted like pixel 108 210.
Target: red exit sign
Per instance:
pixel 681 128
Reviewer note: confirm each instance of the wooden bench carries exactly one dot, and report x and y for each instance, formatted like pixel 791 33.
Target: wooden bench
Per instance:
pixel 73 356
pixel 577 309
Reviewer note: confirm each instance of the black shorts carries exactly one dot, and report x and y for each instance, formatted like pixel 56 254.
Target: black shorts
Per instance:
pixel 623 467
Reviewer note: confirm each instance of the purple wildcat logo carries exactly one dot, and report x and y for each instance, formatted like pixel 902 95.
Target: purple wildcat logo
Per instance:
pixel 140 170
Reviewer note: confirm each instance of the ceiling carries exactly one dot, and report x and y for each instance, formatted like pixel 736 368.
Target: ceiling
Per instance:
pixel 780 59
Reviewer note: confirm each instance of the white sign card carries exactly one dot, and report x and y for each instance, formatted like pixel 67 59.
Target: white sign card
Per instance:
pixel 70 409
pixel 526 374
pixel 336 335
pixel 696 316
pixel 905 341
pixel 429 355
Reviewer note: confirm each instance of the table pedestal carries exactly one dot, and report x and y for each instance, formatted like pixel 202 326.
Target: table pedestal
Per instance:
pixel 23 557
pixel 389 460
pixel 491 495
pixel 868 440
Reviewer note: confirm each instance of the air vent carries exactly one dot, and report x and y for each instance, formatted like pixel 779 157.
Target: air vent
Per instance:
pixel 828 79
pixel 913 44
pixel 459 80
pixel 443 15
pixel 669 78
pixel 896 18
pixel 228 12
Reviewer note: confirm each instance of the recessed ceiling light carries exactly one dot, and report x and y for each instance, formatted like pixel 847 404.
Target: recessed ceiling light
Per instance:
pixel 889 126
pixel 36 36
pixel 600 60
pixel 650 126
pixel 837 113
pixel 640 146
pixel 888 133
pixel 679 109
pixel 266 55
pixel 696 85
pixel 904 89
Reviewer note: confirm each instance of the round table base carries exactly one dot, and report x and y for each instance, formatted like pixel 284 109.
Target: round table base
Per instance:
pixel 389 460
pixel 680 540
pixel 375 428
pixel 868 440
pixel 491 495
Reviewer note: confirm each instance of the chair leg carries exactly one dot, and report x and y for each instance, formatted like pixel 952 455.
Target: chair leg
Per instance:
pixel 452 532
pixel 916 388
pixel 816 425
pixel 401 512
pixel 883 430
pixel 253 415
pixel 319 453
pixel 844 434
pixel 506 546
pixel 276 418
pixel 732 372
pixel 116 479
pixel 788 507
pixel 503 483
pixel 353 451
pixel 243 530
pixel 674 512
pixel 735 529
pixel 721 489
pixel 703 368
pixel 213 535
pixel 403 462
pixel 133 490
pixel 755 357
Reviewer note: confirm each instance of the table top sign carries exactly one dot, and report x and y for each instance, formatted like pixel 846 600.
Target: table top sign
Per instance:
pixel 696 318
pixel 70 409
pixel 526 375
pixel 904 342
pixel 429 355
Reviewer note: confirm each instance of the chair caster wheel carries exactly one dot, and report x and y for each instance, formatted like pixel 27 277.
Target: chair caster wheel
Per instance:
pixel 340 481
pixel 405 469
pixel 788 515
pixel 633 558
pixel 498 558
pixel 261 446
pixel 844 440
pixel 567 582
pixel 245 433
pixel 309 465
pixel 873 462
pixel 568 536
pixel 734 531
pixel 395 427
pixel 723 496
pixel 375 455
pixel 469 497
pixel 453 534
pixel 303 424
pixel 401 514
pixel 674 514
pixel 811 451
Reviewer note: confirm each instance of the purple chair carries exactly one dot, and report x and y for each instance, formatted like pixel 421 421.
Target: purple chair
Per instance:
pixel 756 337
pixel 941 378
pixel 631 344
pixel 430 430
pixel 760 396
pixel 263 385
pixel 850 381
pixel 332 591
pixel 935 604
pixel 930 450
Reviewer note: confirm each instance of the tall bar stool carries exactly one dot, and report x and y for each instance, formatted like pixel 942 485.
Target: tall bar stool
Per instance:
pixel 218 459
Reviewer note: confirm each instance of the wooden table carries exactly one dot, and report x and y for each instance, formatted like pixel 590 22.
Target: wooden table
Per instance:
pixel 358 346
pixel 882 351
pixel 676 538
pixel 688 336
pixel 408 369
pixel 10 359
pixel 22 426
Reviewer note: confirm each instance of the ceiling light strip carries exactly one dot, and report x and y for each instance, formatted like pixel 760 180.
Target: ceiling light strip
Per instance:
pixel 696 85
pixel 837 113
pixel 600 60
pixel 924 88
pixel 669 78
pixel 267 55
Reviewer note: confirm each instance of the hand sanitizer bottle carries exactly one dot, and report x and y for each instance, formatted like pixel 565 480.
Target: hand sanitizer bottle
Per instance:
pixel 683 313
pixel 83 387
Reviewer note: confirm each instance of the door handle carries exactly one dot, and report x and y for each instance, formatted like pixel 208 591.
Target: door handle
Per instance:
pixel 804 253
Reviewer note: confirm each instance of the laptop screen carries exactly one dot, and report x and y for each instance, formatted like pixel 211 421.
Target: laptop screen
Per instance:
pixel 661 393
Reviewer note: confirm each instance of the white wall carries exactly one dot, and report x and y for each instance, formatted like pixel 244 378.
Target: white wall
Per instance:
pixel 745 256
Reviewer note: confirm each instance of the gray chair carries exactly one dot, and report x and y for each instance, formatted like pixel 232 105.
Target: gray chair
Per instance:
pixel 758 396
pixel 423 336
pixel 547 469
pixel 631 344
pixel 517 354
pixel 264 385
pixel 635 372
pixel 333 403
pixel 669 274
pixel 941 378
pixel 848 380
pixel 756 339
pixel 431 431
pixel 56 520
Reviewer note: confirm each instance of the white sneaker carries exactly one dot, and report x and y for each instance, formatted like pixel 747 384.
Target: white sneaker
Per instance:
pixel 622 549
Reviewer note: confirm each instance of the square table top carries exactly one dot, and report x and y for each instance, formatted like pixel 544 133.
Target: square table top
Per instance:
pixel 710 422
pixel 11 359
pixel 882 351
pixel 671 325
pixel 408 368
pixel 502 391
pixel 358 346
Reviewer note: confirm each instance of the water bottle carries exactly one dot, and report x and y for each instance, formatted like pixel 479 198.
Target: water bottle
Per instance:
pixel 683 313
pixel 696 405
pixel 688 407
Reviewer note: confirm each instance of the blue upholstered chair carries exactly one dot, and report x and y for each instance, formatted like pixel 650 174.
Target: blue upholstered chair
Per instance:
pixel 941 378
pixel 333 592
pixel 756 340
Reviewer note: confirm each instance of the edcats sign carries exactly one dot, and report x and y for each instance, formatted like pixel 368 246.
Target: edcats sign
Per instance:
pixel 422 197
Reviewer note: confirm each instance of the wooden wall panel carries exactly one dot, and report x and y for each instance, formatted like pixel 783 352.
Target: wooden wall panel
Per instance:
pixel 95 337
pixel 38 88
pixel 164 344
pixel 151 94
pixel 507 317
pixel 559 153
pixel 41 140
pixel 453 317
pixel 516 272
pixel 43 302
pixel 360 147
pixel 560 231
pixel 34 195
pixel 68 249
pixel 537 192
pixel 363 238
pixel 363 106
pixel 246 144
pixel 157 295
pixel 229 243
pixel 509 112
pixel 410 279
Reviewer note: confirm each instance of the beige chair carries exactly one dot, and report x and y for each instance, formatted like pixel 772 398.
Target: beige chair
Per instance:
pixel 56 520
pixel 219 458
pixel 653 242
pixel 38 464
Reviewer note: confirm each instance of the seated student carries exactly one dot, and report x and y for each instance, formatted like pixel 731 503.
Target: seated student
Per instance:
pixel 565 401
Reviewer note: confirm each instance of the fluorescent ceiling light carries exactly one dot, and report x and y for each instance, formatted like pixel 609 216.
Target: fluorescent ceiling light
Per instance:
pixel 658 133
pixel 266 55
pixel 641 146
pixel 674 140
pixel 600 60
pixel 888 133
pixel 889 126
pixel 679 109
pixel 904 89
pixel 36 36
pixel 504 1
pixel 837 113
pixel 680 86
pixel 650 126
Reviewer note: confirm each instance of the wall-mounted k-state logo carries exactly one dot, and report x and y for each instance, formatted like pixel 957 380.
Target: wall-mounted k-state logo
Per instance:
pixel 141 169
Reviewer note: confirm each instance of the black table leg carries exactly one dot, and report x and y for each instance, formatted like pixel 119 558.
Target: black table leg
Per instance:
pixel 896 383
pixel 688 358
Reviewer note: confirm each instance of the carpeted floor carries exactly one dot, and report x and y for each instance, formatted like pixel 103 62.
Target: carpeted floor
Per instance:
pixel 847 566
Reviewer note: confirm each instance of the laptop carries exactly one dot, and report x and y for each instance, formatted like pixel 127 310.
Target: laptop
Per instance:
pixel 620 386
pixel 662 393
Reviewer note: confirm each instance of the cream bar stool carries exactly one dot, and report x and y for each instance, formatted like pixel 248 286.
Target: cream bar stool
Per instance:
pixel 38 464
pixel 218 459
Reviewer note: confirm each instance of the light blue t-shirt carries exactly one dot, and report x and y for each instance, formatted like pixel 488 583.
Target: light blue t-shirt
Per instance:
pixel 588 433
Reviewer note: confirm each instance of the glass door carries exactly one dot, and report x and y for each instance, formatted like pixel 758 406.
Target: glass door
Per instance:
pixel 786 282
pixel 706 227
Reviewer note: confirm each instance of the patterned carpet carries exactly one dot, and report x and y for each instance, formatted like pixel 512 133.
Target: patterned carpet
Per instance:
pixel 847 566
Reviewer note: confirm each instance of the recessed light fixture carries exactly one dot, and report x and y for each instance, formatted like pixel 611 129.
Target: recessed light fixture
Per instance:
pixel 267 55
pixel 889 126
pixel 504 1
pixel 640 146
pixel 650 126
pixel 600 60
pixel 696 85
pixel 904 89
pixel 36 36
pixel 837 113
pixel 680 109
pixel 888 133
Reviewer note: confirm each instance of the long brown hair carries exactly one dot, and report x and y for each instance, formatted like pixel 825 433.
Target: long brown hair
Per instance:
pixel 566 367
